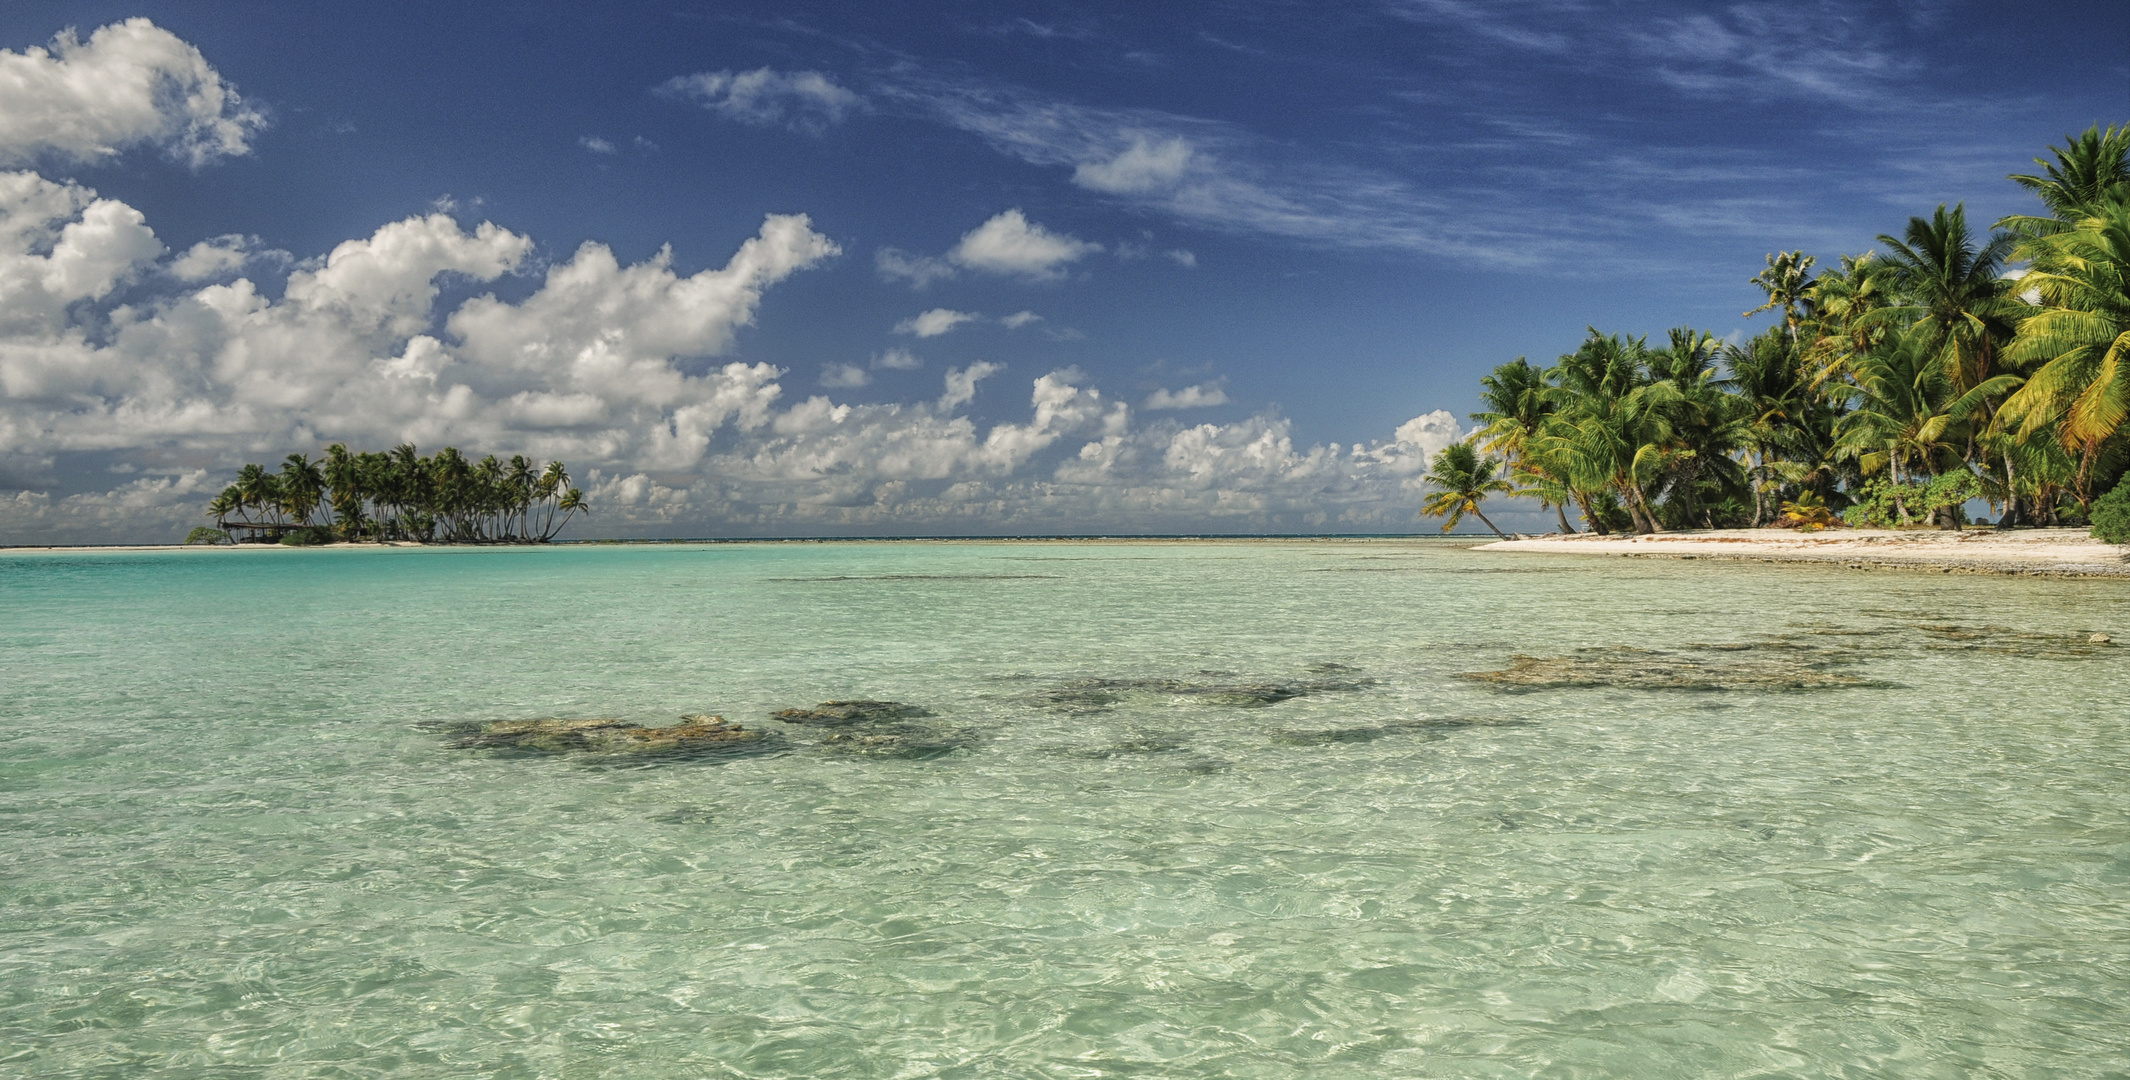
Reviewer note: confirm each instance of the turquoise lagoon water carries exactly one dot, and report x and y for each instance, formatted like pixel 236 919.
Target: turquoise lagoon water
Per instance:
pixel 236 839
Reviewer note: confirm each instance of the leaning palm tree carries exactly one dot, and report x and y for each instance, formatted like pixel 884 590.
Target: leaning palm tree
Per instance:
pixel 1464 479
pixel 1516 401
pixel 570 504
pixel 2078 340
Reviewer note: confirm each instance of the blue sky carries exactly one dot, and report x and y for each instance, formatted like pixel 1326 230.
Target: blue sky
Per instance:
pixel 1252 248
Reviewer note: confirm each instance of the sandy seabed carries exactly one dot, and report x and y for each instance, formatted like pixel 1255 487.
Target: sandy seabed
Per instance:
pixel 2064 552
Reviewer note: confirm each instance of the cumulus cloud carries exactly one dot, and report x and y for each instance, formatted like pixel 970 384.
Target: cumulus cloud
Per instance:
pixel 214 258
pixel 935 322
pixel 596 145
pixel 898 359
pixel 112 360
pixel 1019 319
pixel 1142 167
pixel 1183 258
pixel 590 365
pixel 1011 244
pixel 1007 244
pixel 844 376
pixel 805 101
pixel 894 264
pixel 1200 396
pixel 961 384
pixel 131 84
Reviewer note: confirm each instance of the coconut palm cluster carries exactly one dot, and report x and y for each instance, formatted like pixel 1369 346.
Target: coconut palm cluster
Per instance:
pixel 1949 365
pixel 399 495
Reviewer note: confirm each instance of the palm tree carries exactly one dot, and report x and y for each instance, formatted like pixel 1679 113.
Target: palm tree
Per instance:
pixel 1764 383
pixel 2091 169
pixel 571 503
pixel 2078 339
pixel 1706 426
pixel 1841 302
pixel 1611 426
pixel 1464 479
pixel 1786 281
pixel 302 487
pixel 1516 405
pixel 1903 424
pixel 551 486
pixel 259 490
pixel 1955 293
pixel 1958 300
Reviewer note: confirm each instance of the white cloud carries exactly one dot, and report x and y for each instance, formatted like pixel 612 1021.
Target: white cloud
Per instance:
pixel 596 145
pixel 919 270
pixel 599 365
pixel 1182 257
pixel 1200 396
pixel 1019 319
pixel 935 322
pixel 59 245
pixel 1011 244
pixel 801 100
pixel 131 84
pixel 1140 168
pixel 1221 175
pixel 961 384
pixel 212 258
pixel 587 366
pixel 898 359
pixel 844 376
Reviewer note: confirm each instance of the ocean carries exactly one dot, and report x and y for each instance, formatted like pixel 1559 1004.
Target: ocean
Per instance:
pixel 1352 808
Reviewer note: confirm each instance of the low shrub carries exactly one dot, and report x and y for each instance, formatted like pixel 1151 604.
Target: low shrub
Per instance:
pixel 2111 515
pixel 206 534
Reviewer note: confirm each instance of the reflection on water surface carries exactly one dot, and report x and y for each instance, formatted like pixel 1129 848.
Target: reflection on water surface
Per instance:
pixel 1176 810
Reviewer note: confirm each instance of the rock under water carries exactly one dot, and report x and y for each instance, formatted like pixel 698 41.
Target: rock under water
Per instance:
pixel 1648 669
pixel 1102 693
pixel 850 713
pixel 1372 732
pixel 694 734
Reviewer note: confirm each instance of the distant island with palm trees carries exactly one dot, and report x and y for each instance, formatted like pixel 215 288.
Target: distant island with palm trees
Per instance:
pixel 396 495
pixel 1899 388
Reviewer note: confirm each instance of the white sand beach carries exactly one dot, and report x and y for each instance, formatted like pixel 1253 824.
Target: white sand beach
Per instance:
pixel 2067 552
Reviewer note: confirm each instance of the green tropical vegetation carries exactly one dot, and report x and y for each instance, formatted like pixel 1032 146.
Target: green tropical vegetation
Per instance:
pixel 1949 364
pixel 396 495
pixel 1463 479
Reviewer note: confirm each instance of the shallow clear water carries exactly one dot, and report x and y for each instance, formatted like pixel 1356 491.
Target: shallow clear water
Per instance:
pixel 238 840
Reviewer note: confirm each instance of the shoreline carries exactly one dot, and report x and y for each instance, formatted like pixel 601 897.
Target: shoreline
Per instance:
pixel 2034 552
pixel 1121 538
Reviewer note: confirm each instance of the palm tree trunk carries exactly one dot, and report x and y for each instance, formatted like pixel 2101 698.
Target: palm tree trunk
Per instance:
pixel 1483 521
pixel 1760 484
pixel 1649 522
pixel 2011 494
pixel 1597 524
pixel 1561 512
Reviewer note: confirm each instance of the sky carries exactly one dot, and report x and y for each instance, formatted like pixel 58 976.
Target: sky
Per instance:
pixel 809 269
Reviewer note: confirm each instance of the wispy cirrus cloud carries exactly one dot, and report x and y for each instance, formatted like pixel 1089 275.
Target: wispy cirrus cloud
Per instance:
pixel 1209 173
pixel 807 101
